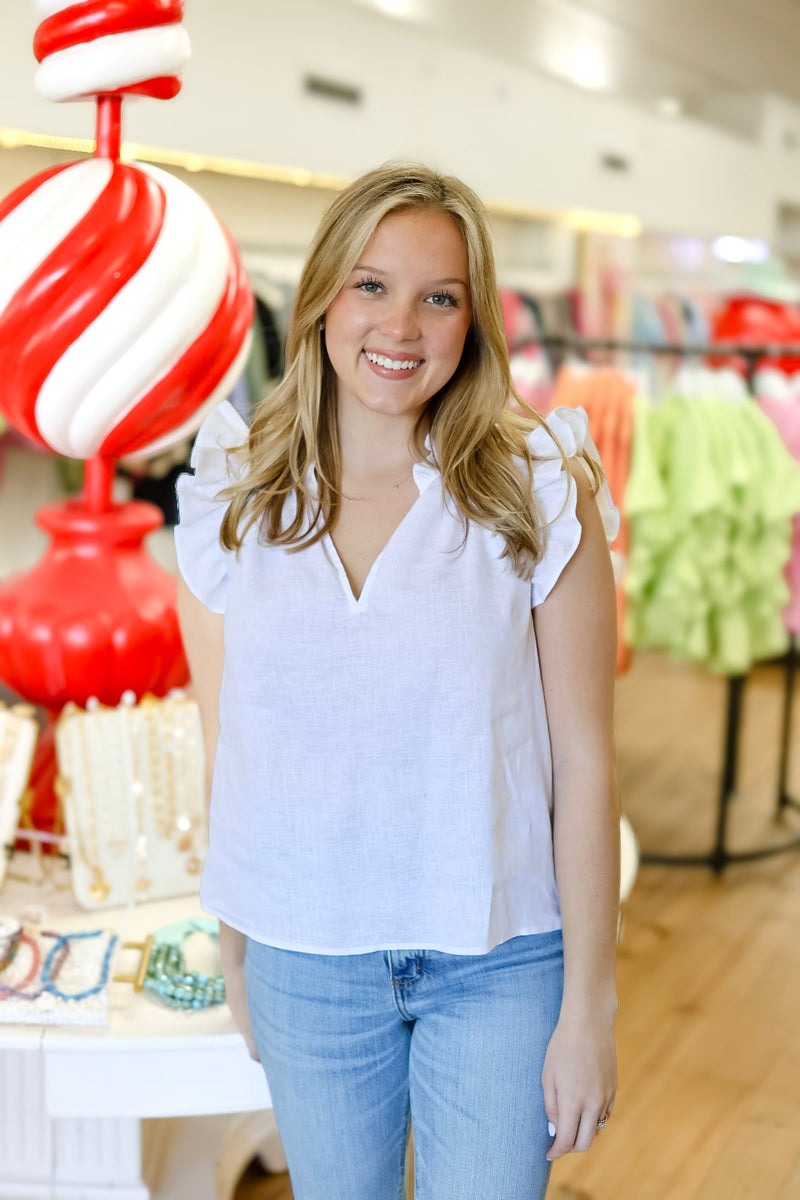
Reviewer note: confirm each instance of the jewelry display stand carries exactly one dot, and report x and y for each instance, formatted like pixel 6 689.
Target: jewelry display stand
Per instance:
pixel 18 734
pixel 131 782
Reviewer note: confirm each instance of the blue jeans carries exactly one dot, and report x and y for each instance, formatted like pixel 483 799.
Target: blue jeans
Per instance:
pixel 355 1045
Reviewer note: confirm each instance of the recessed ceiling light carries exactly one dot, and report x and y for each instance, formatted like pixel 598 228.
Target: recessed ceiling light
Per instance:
pixel 740 249
pixel 588 69
pixel 404 10
pixel 670 106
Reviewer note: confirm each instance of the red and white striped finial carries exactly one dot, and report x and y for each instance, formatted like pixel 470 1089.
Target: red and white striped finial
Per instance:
pixel 110 47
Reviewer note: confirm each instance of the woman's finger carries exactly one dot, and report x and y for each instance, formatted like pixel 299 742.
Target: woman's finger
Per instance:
pixel 566 1132
pixel 587 1128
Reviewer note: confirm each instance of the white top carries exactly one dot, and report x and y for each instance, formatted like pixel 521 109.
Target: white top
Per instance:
pixel 383 776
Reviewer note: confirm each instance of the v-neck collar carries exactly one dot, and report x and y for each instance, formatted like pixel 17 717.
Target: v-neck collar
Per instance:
pixel 423 474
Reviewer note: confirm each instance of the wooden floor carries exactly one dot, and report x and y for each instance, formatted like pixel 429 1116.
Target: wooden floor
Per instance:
pixel 709 969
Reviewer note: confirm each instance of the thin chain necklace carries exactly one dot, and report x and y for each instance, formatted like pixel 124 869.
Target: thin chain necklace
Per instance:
pixel 395 487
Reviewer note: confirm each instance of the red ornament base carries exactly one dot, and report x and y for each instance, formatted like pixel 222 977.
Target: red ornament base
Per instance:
pixel 96 616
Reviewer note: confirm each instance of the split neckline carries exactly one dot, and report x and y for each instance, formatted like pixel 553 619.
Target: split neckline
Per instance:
pixel 423 473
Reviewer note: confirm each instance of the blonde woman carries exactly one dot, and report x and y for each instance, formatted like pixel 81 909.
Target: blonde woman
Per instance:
pixel 398 608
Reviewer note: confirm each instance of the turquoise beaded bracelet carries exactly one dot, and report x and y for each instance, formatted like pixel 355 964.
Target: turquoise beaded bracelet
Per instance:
pixel 167 976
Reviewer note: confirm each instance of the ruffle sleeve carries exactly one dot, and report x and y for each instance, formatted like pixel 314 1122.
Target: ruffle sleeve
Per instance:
pixel 557 493
pixel 202 561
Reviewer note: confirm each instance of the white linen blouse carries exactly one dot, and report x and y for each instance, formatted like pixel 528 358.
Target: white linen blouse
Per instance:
pixel 382 776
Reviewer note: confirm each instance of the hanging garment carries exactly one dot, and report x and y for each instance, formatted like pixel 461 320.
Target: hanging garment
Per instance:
pixel 530 368
pixel 786 418
pixel 710 499
pixel 608 399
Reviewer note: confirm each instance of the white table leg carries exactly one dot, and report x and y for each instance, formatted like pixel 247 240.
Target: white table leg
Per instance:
pixel 64 1158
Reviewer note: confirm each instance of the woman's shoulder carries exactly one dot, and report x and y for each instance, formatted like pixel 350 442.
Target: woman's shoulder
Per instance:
pixel 564 432
pixel 561 447
pixel 202 560
pixel 222 431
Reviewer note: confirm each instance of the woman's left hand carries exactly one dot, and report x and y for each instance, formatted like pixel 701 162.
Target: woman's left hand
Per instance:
pixel 579 1080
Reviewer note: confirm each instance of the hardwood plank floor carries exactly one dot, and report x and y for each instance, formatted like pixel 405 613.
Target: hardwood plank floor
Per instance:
pixel 709 968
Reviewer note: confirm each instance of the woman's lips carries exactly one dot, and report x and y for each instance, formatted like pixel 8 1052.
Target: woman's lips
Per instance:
pixel 391 373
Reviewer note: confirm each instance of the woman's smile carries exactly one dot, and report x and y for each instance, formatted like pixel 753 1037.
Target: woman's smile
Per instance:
pixel 392 366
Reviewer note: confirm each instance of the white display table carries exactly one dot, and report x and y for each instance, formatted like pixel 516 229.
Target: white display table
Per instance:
pixel 74 1101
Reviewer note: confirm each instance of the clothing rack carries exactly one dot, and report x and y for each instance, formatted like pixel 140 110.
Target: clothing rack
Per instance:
pixel 719 856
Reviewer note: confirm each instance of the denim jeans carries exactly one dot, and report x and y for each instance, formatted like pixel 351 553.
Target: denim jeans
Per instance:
pixel 356 1045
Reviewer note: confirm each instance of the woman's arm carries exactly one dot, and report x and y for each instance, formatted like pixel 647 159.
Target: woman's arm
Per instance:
pixel 201 630
pixel 575 633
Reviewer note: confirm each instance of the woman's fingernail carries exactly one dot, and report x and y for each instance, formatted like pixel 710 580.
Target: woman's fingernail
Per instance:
pixel 551 1129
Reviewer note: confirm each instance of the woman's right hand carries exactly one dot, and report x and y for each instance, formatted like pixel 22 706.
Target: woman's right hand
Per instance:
pixel 232 949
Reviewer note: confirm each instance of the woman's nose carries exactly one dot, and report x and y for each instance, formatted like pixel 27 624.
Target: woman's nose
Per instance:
pixel 401 321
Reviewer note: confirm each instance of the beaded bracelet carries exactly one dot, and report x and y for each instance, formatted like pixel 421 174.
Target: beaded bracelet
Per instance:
pixel 167 977
pixel 10 932
pixel 6 989
pixel 48 980
pixel 16 991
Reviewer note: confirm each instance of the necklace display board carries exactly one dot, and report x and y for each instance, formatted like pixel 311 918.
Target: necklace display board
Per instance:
pixel 131 780
pixel 18 733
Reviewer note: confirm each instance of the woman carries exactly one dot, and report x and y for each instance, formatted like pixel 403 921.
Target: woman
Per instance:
pixel 406 759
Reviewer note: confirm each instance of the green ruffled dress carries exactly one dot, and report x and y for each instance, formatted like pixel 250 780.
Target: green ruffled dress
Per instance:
pixel 710 499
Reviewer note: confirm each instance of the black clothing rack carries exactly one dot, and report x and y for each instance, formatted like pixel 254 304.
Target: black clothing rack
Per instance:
pixel 719 856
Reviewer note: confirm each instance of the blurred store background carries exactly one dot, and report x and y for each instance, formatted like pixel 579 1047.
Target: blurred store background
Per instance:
pixel 641 163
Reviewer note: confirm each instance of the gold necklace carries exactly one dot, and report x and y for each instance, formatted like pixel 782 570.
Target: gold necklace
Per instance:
pixel 133 719
pixel 162 788
pixel 183 770
pixel 9 724
pixel 395 487
pixel 84 815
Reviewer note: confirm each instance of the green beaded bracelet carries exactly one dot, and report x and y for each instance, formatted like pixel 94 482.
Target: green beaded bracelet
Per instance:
pixel 167 977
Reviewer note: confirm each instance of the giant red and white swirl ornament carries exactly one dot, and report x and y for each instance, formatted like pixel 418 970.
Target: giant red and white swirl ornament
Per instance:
pixel 125 312
pixel 124 309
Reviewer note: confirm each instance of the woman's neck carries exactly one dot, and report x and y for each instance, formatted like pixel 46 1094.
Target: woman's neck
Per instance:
pixel 374 445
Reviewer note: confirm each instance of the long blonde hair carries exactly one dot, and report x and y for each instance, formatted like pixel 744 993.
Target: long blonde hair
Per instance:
pixel 479 446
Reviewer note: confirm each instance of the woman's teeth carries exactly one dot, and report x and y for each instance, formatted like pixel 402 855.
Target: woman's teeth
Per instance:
pixel 394 364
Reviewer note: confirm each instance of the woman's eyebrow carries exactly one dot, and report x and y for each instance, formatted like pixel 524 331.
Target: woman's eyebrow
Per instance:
pixel 382 271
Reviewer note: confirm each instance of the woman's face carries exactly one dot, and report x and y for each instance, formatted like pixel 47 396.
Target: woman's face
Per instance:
pixel 396 330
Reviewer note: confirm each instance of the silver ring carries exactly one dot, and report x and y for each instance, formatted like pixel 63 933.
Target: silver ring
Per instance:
pixel 601 1124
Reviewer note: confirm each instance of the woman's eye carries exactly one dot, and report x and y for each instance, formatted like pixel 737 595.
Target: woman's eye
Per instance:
pixel 443 300
pixel 370 286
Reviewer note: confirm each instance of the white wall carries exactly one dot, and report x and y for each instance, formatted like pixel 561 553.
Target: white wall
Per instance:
pixel 514 136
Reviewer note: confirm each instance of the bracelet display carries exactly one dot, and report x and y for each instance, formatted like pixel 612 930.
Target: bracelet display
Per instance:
pixel 63 983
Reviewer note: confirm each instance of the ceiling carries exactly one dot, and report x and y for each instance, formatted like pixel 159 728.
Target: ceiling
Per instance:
pixel 709 59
